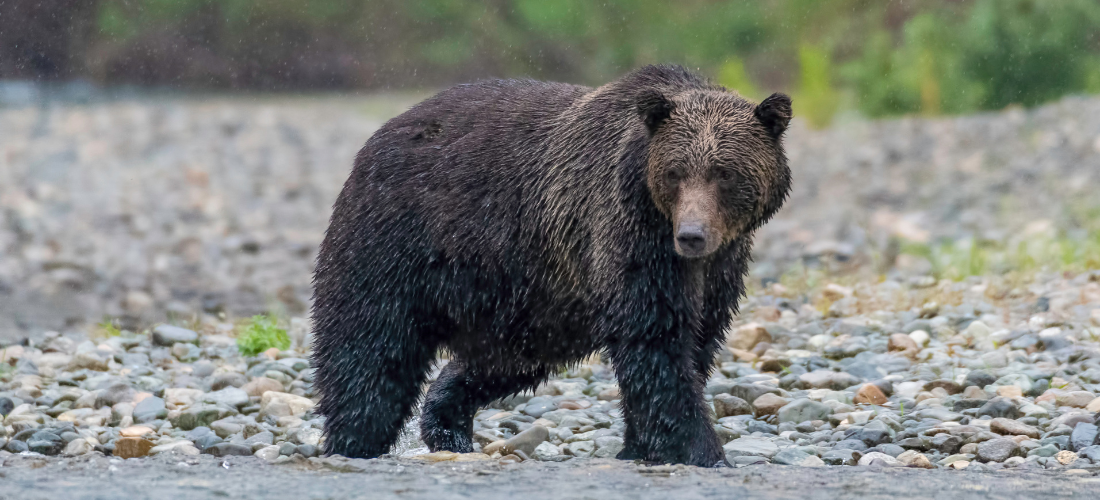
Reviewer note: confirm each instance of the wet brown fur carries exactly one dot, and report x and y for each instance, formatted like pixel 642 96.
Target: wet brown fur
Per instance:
pixel 525 225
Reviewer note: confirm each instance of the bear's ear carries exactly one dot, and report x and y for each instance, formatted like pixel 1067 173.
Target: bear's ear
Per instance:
pixel 775 113
pixel 654 108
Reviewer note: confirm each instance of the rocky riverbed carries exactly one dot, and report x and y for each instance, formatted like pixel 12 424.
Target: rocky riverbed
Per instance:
pixel 984 374
pixel 925 312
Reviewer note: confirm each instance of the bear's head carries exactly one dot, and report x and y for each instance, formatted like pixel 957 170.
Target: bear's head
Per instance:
pixel 716 166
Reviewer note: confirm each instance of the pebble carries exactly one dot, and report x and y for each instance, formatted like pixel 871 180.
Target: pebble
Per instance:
pixel 769 404
pixel 726 405
pixel 870 394
pixel 750 446
pixel 803 410
pixel 132 447
pixel 997 450
pixel 1013 428
pixel 168 335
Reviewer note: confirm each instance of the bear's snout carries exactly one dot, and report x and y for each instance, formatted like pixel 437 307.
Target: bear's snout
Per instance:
pixel 691 240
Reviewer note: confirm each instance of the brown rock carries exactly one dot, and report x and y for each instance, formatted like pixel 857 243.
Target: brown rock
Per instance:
pixel 1076 399
pixel 272 353
pixel 902 342
pixel 609 394
pixel 726 405
pixel 132 447
pixel 769 404
pixel 1010 391
pixel 573 405
pixel 742 355
pixel 835 292
pixel 747 336
pixel 769 314
pixel 1011 427
pixel 871 395
pixel 259 385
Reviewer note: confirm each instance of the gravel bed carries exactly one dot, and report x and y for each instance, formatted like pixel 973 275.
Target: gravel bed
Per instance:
pixel 984 374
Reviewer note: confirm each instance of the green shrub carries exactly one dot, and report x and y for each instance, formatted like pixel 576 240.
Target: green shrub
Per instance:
pixel 262 333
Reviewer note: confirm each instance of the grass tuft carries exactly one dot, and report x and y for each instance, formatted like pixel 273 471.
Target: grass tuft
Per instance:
pixel 260 334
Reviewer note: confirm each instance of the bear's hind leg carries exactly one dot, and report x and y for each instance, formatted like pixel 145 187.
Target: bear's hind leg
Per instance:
pixel 369 375
pixel 447 417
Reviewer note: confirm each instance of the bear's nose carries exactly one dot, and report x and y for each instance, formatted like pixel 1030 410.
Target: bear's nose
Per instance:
pixel 691 239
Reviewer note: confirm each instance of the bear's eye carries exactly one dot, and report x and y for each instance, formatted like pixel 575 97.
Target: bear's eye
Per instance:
pixel 726 176
pixel 673 176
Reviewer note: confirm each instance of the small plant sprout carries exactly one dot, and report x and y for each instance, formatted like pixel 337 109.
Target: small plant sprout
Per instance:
pixel 260 334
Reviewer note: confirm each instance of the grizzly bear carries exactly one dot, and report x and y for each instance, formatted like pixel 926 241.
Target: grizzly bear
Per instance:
pixel 524 225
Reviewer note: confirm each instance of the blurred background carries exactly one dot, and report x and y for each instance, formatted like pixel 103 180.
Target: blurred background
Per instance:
pixel 176 159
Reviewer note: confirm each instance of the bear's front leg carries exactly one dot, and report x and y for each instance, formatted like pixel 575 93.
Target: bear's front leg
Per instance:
pixel 667 420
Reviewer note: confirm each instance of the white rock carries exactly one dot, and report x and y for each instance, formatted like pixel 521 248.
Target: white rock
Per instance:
pixel 867 458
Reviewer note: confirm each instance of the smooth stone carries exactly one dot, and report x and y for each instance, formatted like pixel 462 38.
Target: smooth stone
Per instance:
pixel 607 446
pixel 227 449
pixel 1000 407
pixel 580 449
pixel 804 410
pixel 796 457
pixel 132 447
pixel 873 456
pixel 78 446
pixel 150 409
pixel 268 453
pixel 1083 436
pixel 1013 428
pixel 979 378
pixel 997 450
pixel 282 404
pixel 231 379
pixel 750 446
pixel 726 405
pixel 769 404
pixel 168 335
pixel 230 396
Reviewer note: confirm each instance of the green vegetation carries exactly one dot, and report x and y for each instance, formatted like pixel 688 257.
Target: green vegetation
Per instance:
pixel 260 334
pixel 958 260
pixel 877 58
pixel 107 328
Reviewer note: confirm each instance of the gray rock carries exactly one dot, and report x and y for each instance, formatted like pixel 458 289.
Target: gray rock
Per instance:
pixel 307 450
pixel 547 452
pixel 828 379
pixel 997 450
pixel 1000 407
pixel 979 378
pixel 851 444
pixel 228 449
pixel 1089 452
pixel 232 397
pixel 149 409
pixel 750 446
pixel 537 406
pixel 803 410
pixel 794 456
pixel 581 449
pixel 114 394
pixel 202 369
pixel 168 335
pixel 16 446
pixel 841 457
pixel 527 440
pixel 6 405
pixel 749 392
pixel 287 448
pixel 607 446
pixel 231 379
pixel 1083 436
